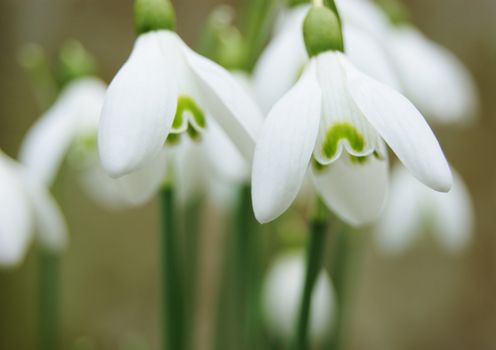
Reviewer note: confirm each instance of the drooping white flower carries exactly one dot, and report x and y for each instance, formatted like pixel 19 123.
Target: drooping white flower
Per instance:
pixel 281 299
pixel 166 91
pixel 26 209
pixel 67 132
pixel 283 60
pixel 413 209
pixel 336 118
pixel 431 76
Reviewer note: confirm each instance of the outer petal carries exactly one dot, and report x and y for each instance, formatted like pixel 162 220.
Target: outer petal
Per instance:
pixel 48 141
pixel 227 102
pixel 369 56
pixel 363 14
pixel 282 61
pixel 140 105
pixel 285 146
pixel 15 214
pixel 49 221
pixel 455 220
pixel 433 77
pixel 140 186
pixel 355 192
pixel 401 222
pixel 402 127
pixel 129 190
pixel 225 159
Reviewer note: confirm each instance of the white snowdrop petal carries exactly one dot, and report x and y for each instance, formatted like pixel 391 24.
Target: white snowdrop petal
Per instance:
pixel 401 221
pixel 50 225
pixel 402 127
pixel 100 187
pixel 140 105
pixel 140 186
pixel 15 214
pixel 455 218
pixel 355 191
pixel 284 148
pixel 191 170
pixel 433 78
pixel 227 163
pixel 47 142
pixel 281 297
pixel 363 14
pixel 130 190
pixel 340 116
pixel 227 102
pixel 369 55
pixel 281 63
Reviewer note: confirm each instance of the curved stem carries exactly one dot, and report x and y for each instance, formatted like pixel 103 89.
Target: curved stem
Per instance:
pixel 256 28
pixel 316 247
pixel 172 291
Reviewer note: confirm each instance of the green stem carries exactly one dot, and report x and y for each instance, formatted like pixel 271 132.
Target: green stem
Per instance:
pixel 339 270
pixel 172 292
pixel 34 62
pixel 316 247
pixel 48 300
pixel 246 270
pixel 257 25
pixel 190 253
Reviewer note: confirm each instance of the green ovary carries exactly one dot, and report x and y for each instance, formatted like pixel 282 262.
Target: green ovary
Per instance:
pixel 341 131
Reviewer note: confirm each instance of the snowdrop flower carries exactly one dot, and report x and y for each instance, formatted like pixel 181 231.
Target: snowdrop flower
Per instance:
pixel 413 208
pixel 164 93
pixel 281 298
pixel 431 76
pixel 26 208
pixel 336 118
pixel 67 131
pixel 284 58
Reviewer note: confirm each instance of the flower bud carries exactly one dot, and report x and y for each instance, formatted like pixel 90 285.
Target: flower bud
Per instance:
pixel 150 15
pixel 222 41
pixel 396 11
pixel 322 31
pixel 74 62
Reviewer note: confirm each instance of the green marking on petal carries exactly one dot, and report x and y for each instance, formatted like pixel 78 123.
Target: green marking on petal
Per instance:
pixel 317 166
pixel 173 139
pixel 193 127
pixel 193 133
pixel 338 132
pixel 187 104
pixel 359 160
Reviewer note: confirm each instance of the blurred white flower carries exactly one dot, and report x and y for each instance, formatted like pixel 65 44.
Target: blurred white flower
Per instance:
pixel 282 62
pixel 341 116
pixel 281 299
pixel 26 209
pixel 431 76
pixel 212 167
pixel 414 209
pixel 165 92
pixel 67 131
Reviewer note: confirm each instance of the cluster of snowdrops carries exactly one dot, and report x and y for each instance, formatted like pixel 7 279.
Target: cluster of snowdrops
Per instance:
pixel 299 109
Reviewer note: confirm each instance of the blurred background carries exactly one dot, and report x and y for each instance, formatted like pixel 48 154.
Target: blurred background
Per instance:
pixel 424 299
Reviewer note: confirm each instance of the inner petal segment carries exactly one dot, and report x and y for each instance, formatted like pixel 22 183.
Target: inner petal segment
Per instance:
pixel 189 119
